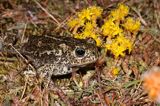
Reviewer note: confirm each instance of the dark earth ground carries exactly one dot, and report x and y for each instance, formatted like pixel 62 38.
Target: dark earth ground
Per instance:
pixel 99 87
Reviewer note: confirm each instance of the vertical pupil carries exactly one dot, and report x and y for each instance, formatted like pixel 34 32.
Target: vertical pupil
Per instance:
pixel 80 52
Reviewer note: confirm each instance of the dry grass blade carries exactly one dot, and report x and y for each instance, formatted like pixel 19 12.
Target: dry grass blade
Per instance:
pixel 51 16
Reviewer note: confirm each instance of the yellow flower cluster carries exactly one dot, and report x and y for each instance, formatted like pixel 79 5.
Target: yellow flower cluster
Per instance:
pixel 114 30
pixel 90 13
pixel 120 12
pixel 86 19
pixel 110 29
pixel 119 45
pixel 132 25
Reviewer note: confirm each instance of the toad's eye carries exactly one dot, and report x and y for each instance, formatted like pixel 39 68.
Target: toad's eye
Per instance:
pixel 80 52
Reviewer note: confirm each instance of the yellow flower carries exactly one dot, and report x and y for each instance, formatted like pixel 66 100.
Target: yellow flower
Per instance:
pixel 95 12
pixel 124 9
pixel 115 71
pixel 125 42
pixel 110 29
pixel 119 45
pixel 132 25
pixel 87 20
pixel 79 36
pixel 72 23
pixel 84 14
pixel 86 34
pixel 89 26
pixel 98 41
pixel 90 13
pixel 91 34
pixel 120 12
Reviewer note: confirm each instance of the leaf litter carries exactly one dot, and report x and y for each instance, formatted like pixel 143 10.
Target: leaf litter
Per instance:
pixel 94 87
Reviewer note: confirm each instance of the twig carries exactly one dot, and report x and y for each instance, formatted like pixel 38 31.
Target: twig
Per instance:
pixel 24 89
pixel 50 15
pixel 62 24
pixel 22 39
pixel 7 59
pixel 156 39
pixel 156 12
pixel 140 16
pixel 21 56
pixel 18 53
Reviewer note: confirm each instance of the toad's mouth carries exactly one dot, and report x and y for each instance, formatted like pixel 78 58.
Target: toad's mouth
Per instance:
pixel 82 64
